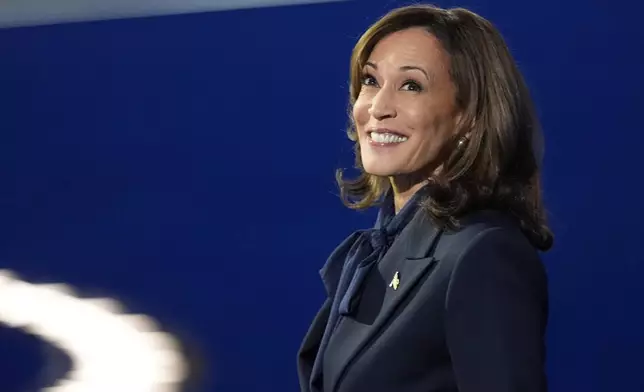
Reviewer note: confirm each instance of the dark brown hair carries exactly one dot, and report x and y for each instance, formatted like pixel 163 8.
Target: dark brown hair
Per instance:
pixel 497 166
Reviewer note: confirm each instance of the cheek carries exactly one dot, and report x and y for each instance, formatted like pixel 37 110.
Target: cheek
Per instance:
pixel 431 121
pixel 427 127
pixel 418 117
pixel 436 130
pixel 361 112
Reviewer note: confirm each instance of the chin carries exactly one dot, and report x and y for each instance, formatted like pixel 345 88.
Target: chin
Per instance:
pixel 384 164
pixel 379 166
pixel 381 170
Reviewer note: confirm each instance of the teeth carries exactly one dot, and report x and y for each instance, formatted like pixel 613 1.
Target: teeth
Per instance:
pixel 387 138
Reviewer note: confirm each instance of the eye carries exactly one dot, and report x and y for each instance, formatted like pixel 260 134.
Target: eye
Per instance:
pixel 412 85
pixel 368 80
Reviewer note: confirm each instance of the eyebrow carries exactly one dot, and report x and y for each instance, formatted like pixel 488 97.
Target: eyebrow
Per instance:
pixel 403 68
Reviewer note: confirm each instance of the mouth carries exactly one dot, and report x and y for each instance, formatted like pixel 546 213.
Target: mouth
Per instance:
pixel 386 137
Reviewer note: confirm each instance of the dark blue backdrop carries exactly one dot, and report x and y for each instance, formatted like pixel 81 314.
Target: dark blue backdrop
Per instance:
pixel 184 165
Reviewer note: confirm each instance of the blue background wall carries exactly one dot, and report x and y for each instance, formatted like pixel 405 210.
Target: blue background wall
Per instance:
pixel 184 165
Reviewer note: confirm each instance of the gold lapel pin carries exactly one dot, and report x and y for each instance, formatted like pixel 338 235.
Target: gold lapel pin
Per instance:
pixel 395 281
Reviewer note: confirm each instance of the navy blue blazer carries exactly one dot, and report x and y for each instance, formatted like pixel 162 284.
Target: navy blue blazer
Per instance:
pixel 468 313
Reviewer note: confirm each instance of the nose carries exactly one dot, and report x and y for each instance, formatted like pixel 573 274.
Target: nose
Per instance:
pixel 383 105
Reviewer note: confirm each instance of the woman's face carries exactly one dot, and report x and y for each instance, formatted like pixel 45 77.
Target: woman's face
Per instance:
pixel 405 114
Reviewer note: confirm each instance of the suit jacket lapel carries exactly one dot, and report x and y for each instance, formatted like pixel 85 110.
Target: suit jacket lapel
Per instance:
pixel 309 371
pixel 310 345
pixel 412 248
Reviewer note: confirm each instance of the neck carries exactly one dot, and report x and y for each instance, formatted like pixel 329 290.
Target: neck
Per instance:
pixel 404 189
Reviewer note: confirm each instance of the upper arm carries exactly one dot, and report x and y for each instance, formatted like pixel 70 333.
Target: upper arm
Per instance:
pixel 496 315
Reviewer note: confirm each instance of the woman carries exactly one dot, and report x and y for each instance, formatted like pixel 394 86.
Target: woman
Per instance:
pixel 447 292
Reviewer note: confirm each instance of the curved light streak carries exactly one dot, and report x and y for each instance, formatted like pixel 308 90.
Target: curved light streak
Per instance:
pixel 111 351
pixel 17 13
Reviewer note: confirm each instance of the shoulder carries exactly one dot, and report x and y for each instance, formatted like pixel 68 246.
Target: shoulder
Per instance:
pixel 490 245
pixel 485 230
pixel 489 257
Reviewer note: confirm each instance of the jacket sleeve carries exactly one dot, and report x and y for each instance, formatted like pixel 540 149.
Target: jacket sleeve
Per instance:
pixel 496 315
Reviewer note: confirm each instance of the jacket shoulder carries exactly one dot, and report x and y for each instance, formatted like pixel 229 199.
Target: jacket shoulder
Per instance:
pixel 474 225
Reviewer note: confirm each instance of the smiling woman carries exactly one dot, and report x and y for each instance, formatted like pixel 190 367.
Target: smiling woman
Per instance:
pixel 447 292
pixel 399 101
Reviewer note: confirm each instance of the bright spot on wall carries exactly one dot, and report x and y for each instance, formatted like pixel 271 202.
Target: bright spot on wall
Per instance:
pixel 111 351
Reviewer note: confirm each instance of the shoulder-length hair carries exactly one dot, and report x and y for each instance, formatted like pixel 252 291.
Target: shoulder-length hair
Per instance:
pixel 497 166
